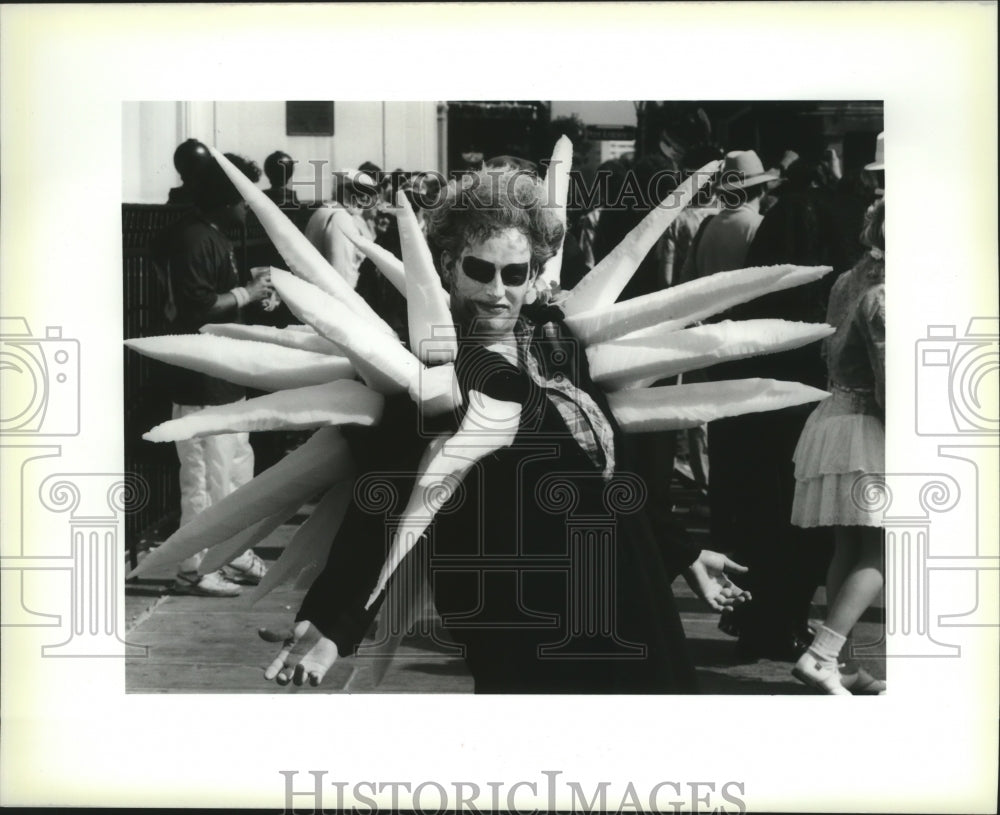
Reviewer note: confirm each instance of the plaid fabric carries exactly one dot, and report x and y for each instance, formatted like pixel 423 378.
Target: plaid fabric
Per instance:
pixel 582 416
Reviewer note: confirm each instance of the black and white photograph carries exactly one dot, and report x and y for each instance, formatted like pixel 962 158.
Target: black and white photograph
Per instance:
pixel 554 565
pixel 374 437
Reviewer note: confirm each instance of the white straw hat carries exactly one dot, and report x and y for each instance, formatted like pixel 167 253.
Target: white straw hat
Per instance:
pixel 879 163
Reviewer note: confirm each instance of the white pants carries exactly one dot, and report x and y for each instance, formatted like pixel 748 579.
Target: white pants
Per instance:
pixel 211 468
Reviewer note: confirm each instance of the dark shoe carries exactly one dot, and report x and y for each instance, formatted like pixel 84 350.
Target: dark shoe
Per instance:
pixel 787 648
pixel 733 622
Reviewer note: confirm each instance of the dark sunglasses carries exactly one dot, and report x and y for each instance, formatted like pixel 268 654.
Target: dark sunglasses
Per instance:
pixel 482 271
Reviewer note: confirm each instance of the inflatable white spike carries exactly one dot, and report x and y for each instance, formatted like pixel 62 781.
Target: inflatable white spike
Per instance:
pixel 222 553
pixel 682 305
pixel 307 551
pixel 406 601
pixel 259 365
pixel 433 336
pixel 676 407
pixel 382 361
pixel 278 491
pixel 335 403
pixel 601 286
pixel 386 261
pixel 627 361
pixel 557 187
pixel 419 513
pixel 436 390
pixel 303 340
pixel 303 258
pixel 488 425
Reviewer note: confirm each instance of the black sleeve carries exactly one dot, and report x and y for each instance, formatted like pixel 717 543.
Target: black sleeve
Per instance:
pixel 490 373
pixel 676 547
pixel 199 271
pixel 335 601
pixel 388 456
pixel 674 543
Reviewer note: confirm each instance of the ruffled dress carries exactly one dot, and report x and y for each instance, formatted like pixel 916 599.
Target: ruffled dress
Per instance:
pixel 840 456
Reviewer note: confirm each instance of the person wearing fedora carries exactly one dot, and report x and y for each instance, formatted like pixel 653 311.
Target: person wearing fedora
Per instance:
pixel 723 240
pixel 878 166
pixel 738 462
pixel 754 479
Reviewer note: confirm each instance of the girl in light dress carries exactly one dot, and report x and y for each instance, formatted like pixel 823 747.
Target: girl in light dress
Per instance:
pixel 839 462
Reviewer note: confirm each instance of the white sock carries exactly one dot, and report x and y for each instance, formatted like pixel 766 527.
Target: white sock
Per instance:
pixel 826 645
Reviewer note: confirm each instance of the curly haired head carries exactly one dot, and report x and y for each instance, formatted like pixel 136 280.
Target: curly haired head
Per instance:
pixel 481 205
pixel 216 190
pixel 873 234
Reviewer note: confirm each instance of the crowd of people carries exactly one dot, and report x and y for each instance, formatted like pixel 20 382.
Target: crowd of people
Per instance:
pixel 780 485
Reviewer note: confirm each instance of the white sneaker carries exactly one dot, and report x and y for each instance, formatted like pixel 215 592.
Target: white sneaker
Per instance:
pixel 824 676
pixel 212 584
pixel 249 575
pixel 862 683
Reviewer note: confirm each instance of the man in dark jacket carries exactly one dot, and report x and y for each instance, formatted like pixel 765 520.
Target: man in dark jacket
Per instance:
pixel 197 272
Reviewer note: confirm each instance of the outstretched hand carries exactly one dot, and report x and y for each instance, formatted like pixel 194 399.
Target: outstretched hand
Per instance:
pixel 708 578
pixel 306 655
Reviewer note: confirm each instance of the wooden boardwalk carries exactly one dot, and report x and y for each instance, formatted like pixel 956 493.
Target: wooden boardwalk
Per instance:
pixel 211 645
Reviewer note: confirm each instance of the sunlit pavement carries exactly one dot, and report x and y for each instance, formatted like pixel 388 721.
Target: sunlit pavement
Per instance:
pixel 211 645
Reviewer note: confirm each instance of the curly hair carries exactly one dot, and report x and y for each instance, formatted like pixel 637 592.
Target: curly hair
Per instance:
pixel 871 266
pixel 480 205
pixel 873 234
pixel 216 190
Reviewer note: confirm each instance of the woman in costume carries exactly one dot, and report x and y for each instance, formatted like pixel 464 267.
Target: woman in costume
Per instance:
pixel 569 588
pixel 840 457
pixel 495 549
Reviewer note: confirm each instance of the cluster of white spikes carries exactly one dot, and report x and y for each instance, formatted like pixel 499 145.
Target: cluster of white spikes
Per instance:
pixel 313 370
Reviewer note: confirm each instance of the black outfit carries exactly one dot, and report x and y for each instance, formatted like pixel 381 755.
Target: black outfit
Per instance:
pixel 283 196
pixel 383 297
pixel 508 558
pixel 750 457
pixel 574 265
pixel 194 262
pixel 181 196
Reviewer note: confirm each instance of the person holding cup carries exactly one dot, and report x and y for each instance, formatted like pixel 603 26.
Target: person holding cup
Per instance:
pixel 196 270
